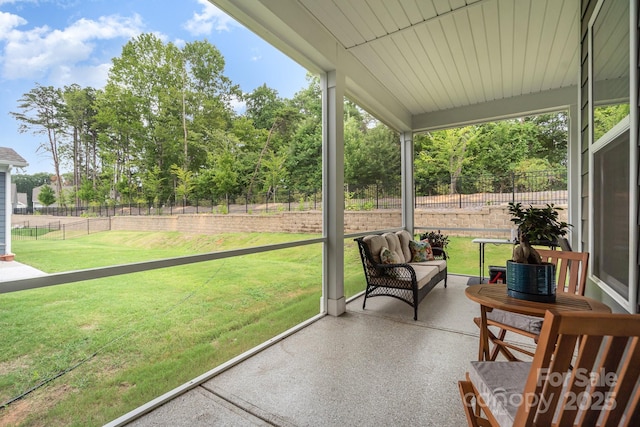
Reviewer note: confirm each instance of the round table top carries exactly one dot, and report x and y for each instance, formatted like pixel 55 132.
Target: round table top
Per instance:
pixel 495 296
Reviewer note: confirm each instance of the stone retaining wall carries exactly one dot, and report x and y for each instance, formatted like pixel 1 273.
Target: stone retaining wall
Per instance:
pixel 486 222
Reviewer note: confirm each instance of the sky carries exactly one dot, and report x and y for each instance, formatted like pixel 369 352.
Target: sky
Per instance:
pixel 61 42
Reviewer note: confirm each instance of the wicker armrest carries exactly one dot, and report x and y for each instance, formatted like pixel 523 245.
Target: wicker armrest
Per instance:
pixel 439 253
pixel 397 271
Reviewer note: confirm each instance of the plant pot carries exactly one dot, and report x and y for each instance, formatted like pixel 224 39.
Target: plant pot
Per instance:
pixel 531 282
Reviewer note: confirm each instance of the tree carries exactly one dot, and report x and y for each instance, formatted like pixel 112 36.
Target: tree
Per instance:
pixel 553 135
pixel 26 183
pixel 79 114
pixel 152 183
pixel 47 196
pixel 42 114
pixel 184 182
pixel 304 158
pixel 275 173
pixel 174 99
pixel 448 153
pixel 263 105
pixel 372 156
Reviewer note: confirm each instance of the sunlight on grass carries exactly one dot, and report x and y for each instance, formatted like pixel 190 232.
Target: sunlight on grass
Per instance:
pixel 119 342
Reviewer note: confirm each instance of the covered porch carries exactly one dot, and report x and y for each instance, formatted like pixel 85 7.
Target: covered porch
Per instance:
pixel 367 367
pixel 415 66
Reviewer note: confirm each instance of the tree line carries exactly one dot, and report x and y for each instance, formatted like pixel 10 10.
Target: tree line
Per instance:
pixel 164 130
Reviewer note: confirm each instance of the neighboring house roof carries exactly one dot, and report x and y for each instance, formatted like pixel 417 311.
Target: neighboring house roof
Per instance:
pixel 8 157
pixel 36 192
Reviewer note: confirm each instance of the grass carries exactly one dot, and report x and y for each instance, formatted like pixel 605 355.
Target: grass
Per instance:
pixel 119 342
pixel 464 256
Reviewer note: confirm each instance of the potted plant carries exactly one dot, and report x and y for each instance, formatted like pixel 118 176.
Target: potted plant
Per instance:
pixel 436 239
pixel 527 276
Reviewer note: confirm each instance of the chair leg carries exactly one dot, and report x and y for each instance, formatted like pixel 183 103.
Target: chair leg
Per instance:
pixel 471 406
pixel 497 342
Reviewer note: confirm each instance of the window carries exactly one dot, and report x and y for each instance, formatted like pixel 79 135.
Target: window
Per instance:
pixel 611 213
pixel 611 154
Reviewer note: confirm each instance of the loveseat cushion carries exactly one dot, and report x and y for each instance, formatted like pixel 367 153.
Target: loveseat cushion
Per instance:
pixel 405 237
pixel 500 384
pixel 393 243
pixel 375 242
pixel 424 274
pixel 440 263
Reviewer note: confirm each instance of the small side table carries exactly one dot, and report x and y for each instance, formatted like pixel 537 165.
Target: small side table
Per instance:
pixel 482 242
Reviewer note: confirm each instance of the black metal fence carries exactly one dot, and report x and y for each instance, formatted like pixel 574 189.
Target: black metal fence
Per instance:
pixel 433 193
pixel 56 230
pixel 481 190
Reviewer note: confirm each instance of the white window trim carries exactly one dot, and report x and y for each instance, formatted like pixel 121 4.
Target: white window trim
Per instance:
pixel 629 123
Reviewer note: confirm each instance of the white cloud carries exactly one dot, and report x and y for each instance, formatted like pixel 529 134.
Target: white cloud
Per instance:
pixel 210 19
pixel 238 106
pixel 92 75
pixel 9 21
pixel 255 55
pixel 43 52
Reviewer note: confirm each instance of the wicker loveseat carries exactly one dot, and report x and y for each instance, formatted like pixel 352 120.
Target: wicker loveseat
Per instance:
pixel 407 280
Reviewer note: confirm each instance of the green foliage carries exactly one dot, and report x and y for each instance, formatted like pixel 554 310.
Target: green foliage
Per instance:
pixel 606 117
pixel 436 239
pixel 372 155
pixel 537 224
pixel 47 196
pixel 184 182
pixel 86 192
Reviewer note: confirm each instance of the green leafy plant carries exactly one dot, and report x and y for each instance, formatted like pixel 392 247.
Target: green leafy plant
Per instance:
pixel 436 239
pixel 535 225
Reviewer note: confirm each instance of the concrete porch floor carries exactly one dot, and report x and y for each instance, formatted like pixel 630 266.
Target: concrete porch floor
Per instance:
pixel 373 367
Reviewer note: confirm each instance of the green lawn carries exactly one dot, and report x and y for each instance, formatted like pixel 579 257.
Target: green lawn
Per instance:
pixel 119 342
pixel 464 256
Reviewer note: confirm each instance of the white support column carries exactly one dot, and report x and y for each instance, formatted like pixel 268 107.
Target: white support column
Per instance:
pixel 7 210
pixel 574 177
pixel 333 299
pixel 408 193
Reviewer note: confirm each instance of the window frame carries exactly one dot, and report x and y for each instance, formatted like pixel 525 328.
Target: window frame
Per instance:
pixel 627 124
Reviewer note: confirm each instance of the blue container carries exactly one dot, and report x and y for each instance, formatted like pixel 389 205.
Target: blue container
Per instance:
pixel 531 282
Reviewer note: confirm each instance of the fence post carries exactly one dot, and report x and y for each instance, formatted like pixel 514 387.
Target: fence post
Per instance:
pixel 513 187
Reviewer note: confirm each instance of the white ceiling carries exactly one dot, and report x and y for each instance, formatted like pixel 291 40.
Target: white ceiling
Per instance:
pixel 418 64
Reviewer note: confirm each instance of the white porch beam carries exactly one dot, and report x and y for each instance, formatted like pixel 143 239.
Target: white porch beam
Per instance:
pixel 552 100
pixel 332 84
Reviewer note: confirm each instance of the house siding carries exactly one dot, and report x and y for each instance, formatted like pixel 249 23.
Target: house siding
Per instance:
pixel 588 8
pixel 4 198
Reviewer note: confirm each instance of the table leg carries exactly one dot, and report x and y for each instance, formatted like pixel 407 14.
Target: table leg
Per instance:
pixel 480 262
pixel 483 350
